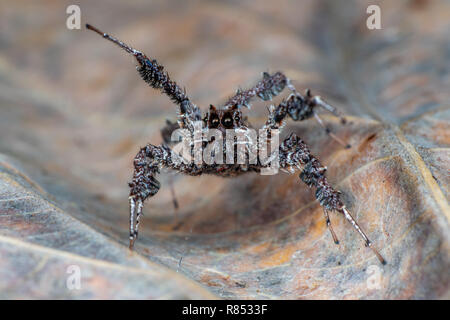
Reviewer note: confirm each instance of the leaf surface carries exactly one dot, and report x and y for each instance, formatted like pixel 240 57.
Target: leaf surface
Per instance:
pixel 73 113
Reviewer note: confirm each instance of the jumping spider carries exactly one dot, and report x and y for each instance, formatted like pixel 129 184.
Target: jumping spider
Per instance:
pixel 293 152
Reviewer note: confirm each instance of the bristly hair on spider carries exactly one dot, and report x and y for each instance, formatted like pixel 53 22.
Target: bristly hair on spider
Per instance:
pixel 293 152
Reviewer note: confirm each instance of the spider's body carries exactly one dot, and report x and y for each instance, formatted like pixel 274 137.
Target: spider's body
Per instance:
pixel 293 153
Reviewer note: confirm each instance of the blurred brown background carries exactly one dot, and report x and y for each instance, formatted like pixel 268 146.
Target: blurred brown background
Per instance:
pixel 74 112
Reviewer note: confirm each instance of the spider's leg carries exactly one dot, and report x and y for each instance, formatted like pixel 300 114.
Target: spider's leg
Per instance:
pixel 144 184
pixel 317 100
pixel 331 134
pixel 329 226
pixel 172 192
pixel 355 225
pixel 166 134
pixel 299 107
pixel 153 73
pixel 167 130
pixel 139 207
pixel 294 152
pixel 132 201
pixel 136 205
pixel 268 87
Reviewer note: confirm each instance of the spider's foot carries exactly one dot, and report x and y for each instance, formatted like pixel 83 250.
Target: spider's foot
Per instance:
pixel 134 214
pixel 132 239
pixel 335 239
pixel 328 131
pixel 338 140
pixel 355 225
pixel 379 256
pixel 330 227
pixel 344 144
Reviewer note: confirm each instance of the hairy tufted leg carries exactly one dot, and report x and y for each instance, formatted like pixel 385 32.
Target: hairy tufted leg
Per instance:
pixel 268 87
pixel 295 153
pixel 300 107
pixel 153 73
pixel 147 163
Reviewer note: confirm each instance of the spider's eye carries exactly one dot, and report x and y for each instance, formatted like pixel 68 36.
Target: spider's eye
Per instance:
pixel 214 122
pixel 227 122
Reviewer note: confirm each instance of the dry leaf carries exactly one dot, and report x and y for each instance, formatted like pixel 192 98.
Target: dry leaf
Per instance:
pixel 73 113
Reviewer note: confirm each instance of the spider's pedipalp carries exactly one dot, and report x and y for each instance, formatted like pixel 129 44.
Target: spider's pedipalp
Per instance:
pixel 294 151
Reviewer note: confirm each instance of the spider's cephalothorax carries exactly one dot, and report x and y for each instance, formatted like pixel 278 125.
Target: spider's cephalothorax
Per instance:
pixel 293 153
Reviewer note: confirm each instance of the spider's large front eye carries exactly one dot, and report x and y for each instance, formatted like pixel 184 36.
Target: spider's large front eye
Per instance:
pixel 214 122
pixel 227 122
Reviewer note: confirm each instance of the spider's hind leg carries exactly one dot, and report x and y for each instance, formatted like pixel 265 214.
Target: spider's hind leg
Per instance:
pixel 330 227
pixel 295 153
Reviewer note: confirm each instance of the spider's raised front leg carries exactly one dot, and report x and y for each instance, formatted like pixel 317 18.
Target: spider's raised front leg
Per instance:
pixel 295 154
pixel 153 73
pixel 147 164
pixel 268 87
pixel 299 108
